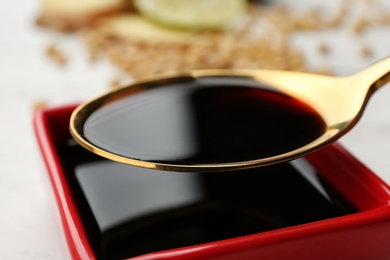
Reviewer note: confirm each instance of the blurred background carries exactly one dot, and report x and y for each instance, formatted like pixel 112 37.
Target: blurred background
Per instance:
pixel 56 52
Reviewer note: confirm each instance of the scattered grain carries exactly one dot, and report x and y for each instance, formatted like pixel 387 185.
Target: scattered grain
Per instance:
pixel 56 55
pixel 365 51
pixel 39 104
pixel 361 25
pixel 324 49
pixel 341 15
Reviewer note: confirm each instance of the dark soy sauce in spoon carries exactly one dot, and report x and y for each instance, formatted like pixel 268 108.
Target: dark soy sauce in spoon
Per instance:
pixel 208 120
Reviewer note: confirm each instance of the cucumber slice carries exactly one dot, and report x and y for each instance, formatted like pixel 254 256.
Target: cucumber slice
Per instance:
pixel 192 14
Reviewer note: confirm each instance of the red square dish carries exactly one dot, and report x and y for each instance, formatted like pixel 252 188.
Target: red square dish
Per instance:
pixel 362 233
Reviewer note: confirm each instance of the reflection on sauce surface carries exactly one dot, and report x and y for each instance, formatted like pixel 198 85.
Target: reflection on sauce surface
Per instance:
pixel 129 211
pixel 206 120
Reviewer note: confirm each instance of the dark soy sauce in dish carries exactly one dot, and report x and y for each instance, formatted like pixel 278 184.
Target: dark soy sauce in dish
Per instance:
pixel 208 120
pixel 129 211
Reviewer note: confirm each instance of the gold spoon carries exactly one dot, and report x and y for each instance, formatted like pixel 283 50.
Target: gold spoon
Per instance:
pixel 340 101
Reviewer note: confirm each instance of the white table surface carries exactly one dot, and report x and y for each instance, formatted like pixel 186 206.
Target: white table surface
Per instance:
pixel 30 227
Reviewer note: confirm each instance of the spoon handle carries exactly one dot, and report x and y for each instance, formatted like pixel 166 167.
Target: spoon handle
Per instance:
pixel 375 76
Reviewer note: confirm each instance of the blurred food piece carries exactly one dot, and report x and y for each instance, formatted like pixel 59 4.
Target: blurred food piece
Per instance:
pixel 190 14
pixel 142 48
pixel 163 36
pixel 70 15
pixel 133 26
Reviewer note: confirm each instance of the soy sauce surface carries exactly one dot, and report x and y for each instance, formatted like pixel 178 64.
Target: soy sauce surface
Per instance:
pixel 129 211
pixel 205 120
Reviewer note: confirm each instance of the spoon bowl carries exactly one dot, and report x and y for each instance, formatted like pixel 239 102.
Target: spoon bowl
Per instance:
pixel 339 101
